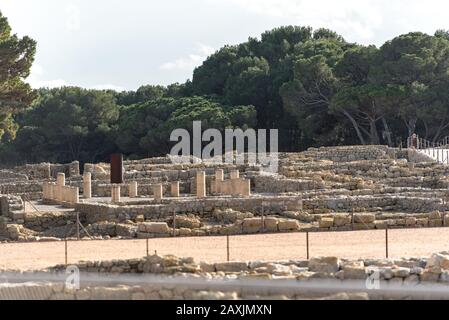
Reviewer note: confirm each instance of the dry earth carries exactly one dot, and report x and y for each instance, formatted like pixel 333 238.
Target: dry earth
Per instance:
pixel 355 244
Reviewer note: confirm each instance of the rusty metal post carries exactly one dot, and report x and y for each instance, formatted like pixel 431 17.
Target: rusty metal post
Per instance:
pixel 77 225
pixel 116 168
pixel 148 252
pixel 174 222
pixel 263 218
pixel 227 247
pixel 386 242
pixel 307 245
pixel 65 251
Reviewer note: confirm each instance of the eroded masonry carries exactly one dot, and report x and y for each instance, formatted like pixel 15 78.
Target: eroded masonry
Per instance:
pixel 332 188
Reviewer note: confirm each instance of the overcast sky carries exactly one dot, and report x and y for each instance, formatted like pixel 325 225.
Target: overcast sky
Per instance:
pixel 124 44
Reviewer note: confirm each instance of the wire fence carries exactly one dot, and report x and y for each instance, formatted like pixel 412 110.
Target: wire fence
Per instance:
pixel 388 243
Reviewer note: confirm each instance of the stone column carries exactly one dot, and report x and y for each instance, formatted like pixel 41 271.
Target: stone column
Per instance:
pixel 75 195
pixel 174 188
pixel 45 187
pixel 157 192
pixel 245 188
pixel 219 177
pixel 87 185
pixel 64 193
pixel 60 184
pixel 133 189
pixel 234 174
pixel 115 193
pixel 51 191
pixel 200 184
pixel 60 179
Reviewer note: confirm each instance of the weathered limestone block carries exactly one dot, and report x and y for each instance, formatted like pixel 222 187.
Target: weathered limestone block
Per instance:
pixel 231 266
pixel 326 222
pixel 324 264
pixel 115 193
pixel 174 189
pixel 354 270
pixel 154 227
pixel 423 222
pixel 434 215
pixel 133 193
pixel 252 225
pixel 364 218
pixel 234 174
pixel 87 185
pixel 410 221
pixel 190 222
pixel 157 192
pixel 438 260
pixel 271 224
pixel 219 177
pixel 363 226
pixel 435 223
pixel 288 225
pixel 341 220
pixel 200 184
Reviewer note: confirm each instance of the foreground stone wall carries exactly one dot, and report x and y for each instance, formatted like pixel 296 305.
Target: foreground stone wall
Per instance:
pixel 336 279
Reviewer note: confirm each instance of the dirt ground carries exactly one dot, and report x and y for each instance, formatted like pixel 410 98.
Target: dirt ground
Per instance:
pixel 355 244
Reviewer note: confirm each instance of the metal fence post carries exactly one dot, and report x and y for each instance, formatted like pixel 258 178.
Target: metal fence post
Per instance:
pixel 77 225
pixel 65 251
pixel 227 247
pixel 174 222
pixel 307 245
pixel 148 252
pixel 386 242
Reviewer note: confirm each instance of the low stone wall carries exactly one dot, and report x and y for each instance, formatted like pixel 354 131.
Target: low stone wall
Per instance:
pixel 393 278
pixel 276 184
pixel 348 153
pixel 95 212
pixel 368 203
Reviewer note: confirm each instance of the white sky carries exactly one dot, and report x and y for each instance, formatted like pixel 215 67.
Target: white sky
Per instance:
pixel 124 44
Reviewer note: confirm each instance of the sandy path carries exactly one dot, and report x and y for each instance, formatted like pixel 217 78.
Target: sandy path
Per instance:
pixel 356 244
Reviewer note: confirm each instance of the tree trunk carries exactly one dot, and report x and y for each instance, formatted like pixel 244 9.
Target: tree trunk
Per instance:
pixel 374 136
pixel 356 126
pixel 387 132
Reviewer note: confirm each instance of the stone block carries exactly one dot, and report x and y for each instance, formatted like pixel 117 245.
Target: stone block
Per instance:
pixel 252 225
pixel 341 220
pixel 154 227
pixel 288 225
pixel 364 218
pixel 324 264
pixel 326 222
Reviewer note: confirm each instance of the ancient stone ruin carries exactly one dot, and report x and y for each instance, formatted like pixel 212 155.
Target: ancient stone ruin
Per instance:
pixel 325 189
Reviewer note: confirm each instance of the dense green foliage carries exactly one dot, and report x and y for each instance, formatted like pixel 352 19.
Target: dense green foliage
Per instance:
pixel 313 86
pixel 16 57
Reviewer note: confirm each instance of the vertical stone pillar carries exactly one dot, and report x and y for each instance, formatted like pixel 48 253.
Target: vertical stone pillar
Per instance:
pixel 75 195
pixel 174 188
pixel 51 191
pixel 234 174
pixel 200 184
pixel 245 188
pixel 87 185
pixel 115 193
pixel 60 184
pixel 219 177
pixel 60 179
pixel 157 192
pixel 45 186
pixel 133 189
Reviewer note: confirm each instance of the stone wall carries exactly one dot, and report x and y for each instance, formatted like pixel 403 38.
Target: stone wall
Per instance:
pixel 396 279
pixel 104 212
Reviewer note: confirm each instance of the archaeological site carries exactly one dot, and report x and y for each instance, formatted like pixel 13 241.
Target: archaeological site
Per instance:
pixel 323 191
